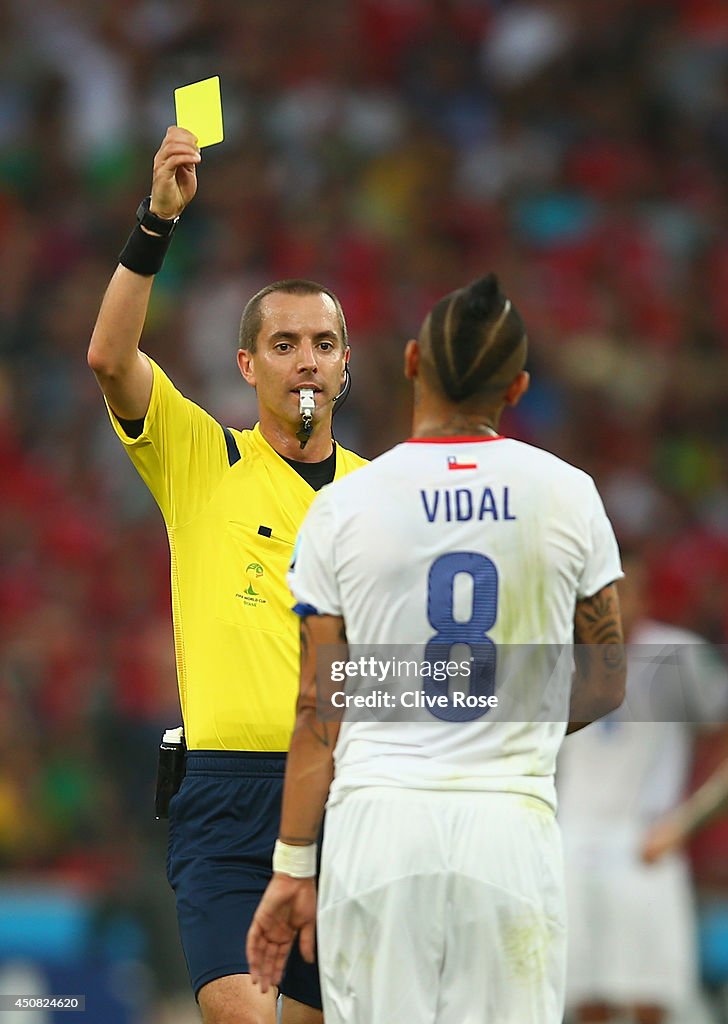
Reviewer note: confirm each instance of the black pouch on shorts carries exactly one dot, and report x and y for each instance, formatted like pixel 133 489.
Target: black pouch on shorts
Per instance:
pixel 170 770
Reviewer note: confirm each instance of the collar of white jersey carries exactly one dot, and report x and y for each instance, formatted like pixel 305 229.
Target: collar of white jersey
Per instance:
pixel 455 439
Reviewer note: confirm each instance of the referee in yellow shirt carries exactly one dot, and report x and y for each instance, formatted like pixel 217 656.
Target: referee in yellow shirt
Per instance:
pixel 232 502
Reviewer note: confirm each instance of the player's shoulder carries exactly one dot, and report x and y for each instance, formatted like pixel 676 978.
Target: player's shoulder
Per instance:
pixel 568 491
pixel 543 462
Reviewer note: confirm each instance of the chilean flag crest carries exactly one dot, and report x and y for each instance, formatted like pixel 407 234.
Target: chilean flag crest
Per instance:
pixel 453 463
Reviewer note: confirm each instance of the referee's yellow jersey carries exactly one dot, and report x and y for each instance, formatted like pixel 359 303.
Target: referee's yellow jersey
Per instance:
pixel 232 507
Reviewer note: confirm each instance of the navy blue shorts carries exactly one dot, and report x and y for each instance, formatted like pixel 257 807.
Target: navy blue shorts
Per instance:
pixel 223 824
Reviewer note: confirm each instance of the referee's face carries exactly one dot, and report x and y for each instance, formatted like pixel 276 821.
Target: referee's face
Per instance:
pixel 299 345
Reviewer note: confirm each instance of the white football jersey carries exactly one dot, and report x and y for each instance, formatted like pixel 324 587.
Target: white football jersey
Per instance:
pixel 640 753
pixel 470 549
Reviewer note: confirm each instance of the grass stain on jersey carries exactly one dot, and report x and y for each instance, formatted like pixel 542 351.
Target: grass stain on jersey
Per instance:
pixel 525 945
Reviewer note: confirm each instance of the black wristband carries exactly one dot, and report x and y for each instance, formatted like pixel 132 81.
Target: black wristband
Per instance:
pixel 144 253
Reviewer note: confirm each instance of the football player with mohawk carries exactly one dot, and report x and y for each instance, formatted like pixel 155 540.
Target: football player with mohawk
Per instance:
pixel 441 891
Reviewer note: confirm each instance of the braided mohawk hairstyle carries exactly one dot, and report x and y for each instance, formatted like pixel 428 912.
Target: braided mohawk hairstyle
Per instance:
pixel 476 340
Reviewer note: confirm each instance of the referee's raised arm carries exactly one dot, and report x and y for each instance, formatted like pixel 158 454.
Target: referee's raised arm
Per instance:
pixel 232 502
pixel 123 372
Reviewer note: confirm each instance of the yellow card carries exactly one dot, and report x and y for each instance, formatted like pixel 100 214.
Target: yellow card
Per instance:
pixel 199 110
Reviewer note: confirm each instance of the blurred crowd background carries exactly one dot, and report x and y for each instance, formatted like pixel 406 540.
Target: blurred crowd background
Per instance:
pixel 392 149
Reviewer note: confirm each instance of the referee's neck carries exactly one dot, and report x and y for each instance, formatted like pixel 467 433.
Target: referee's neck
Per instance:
pixel 282 438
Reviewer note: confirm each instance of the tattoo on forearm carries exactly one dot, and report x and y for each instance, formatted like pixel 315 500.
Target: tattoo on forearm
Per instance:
pixel 304 633
pixel 614 655
pixel 319 730
pixel 307 698
pixel 320 639
pixel 597 622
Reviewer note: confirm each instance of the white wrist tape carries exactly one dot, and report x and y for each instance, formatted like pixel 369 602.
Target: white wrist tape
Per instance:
pixel 296 861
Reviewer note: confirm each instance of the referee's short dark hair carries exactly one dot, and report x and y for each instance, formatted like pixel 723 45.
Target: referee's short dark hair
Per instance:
pixel 251 320
pixel 473 342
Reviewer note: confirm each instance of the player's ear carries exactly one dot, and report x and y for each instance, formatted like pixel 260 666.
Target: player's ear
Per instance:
pixel 412 359
pixel 245 365
pixel 517 388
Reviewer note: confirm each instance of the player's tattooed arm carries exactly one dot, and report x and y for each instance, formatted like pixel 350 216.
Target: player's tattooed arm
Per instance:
pixel 599 657
pixel 320 642
pixel 597 619
pixel 310 765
